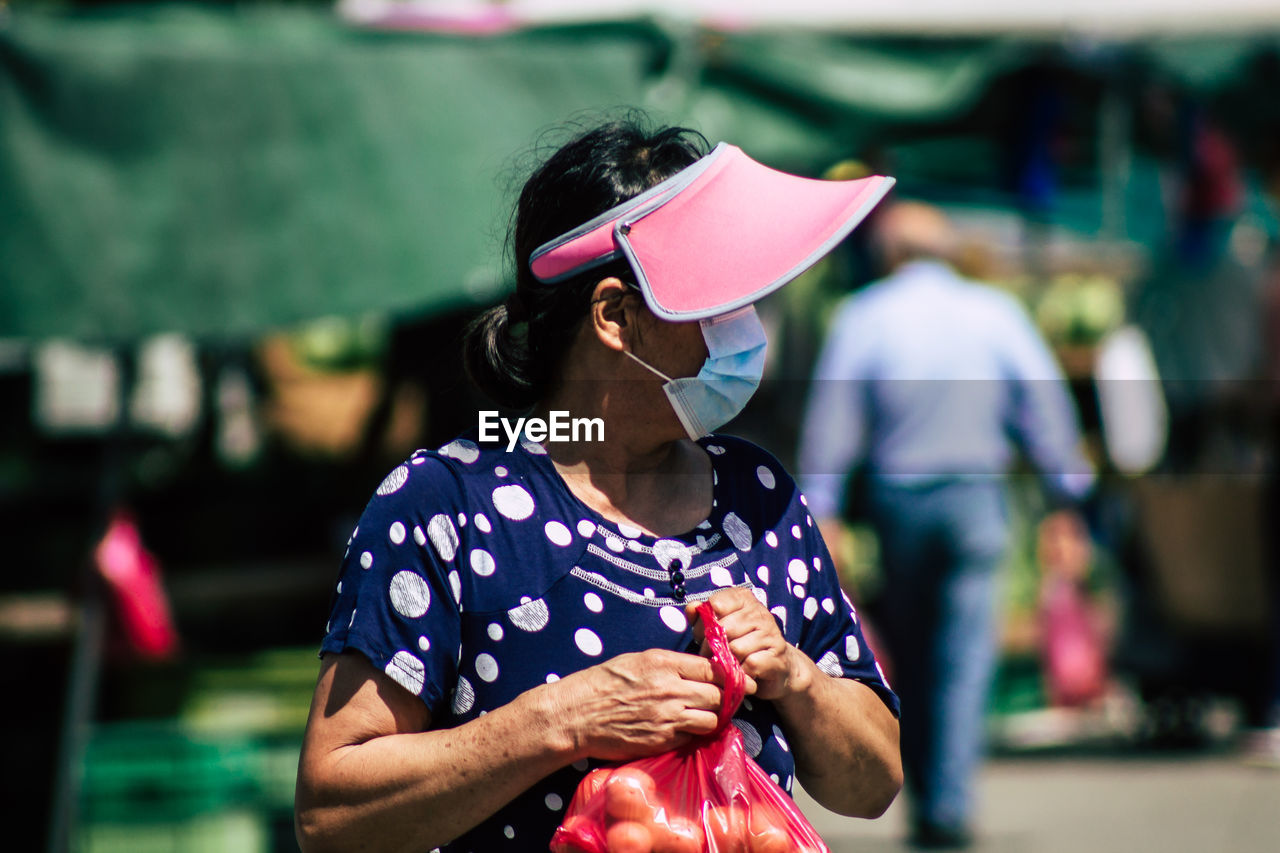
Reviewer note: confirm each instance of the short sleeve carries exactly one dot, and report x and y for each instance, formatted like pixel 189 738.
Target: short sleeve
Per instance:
pixel 397 597
pixel 831 632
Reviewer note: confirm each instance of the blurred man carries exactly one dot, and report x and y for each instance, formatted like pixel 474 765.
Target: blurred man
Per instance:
pixel 928 387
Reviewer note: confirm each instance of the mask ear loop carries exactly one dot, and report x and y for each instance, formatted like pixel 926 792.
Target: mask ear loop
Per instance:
pixel 647 366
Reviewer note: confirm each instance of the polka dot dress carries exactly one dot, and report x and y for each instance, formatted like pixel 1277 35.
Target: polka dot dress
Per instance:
pixel 475 575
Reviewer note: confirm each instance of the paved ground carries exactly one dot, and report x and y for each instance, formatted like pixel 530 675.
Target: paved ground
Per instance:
pixel 1178 804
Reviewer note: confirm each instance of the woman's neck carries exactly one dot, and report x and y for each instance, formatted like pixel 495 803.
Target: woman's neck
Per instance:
pixel 639 473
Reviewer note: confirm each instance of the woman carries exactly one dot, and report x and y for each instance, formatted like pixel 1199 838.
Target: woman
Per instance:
pixel 508 618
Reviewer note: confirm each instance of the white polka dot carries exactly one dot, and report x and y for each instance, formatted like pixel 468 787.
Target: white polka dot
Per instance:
pixel 737 531
pixel 649 593
pixel 781 613
pixel 760 595
pixel 787 785
pixel 634 545
pixel 593 602
pixel 486 667
pixel 495 631
pixel 782 741
pixel 774 777
pixel 581 765
pixel 810 608
pixel 366 560
pixel 508 831
pixel 418 461
pixel 746 703
pixel 716 449
pixel 797 591
pixel 766 477
pixel 557 533
pixel 419 536
pixel 614 543
pixel 407 671
pixel 424 643
pixel 705 524
pixel 817 564
pixel 552 678
pixel 513 502
pixel 828 605
pixel 720 576
pixel 586 528
pixel 410 595
pixel 804 501
pixel 443 536
pixel 464 696
pixel 339 587
pixel 394 481
pixel 554 802
pixel 530 615
pixel 763 574
pixel 455 583
pixel 533 447
pixel 798 571
pixel 751 741
pixel 397 533
pixel 852 650
pixel 482 562
pixel 808 519
pixel 629 530
pixel 500 471
pixel 772 539
pixel 830 664
pixel 462 450
pixel 462 519
pixel 588 642
pixel 673 618
pixel 352 620
pixel 795 531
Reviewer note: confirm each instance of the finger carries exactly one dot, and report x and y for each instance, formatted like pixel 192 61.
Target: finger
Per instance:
pixel 704 697
pixel 756 641
pixel 698 722
pixel 764 662
pixel 694 668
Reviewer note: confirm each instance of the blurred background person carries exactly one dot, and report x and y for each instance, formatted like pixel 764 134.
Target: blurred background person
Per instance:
pixel 928 387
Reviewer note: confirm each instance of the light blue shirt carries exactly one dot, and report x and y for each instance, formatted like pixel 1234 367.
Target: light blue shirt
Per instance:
pixel 929 377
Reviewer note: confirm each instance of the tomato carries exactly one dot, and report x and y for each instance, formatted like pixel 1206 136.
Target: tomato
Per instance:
pixel 629 795
pixel 726 829
pixel 678 835
pixel 592 783
pixel 770 839
pixel 627 836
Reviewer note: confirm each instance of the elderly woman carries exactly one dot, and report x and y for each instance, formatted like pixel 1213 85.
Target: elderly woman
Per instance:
pixel 510 614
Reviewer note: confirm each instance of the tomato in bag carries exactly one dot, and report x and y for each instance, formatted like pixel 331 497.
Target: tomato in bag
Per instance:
pixel 707 797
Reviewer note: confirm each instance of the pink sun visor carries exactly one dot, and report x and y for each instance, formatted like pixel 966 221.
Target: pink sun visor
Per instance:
pixel 716 236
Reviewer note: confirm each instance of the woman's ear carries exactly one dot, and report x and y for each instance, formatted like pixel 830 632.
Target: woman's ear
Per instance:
pixel 614 310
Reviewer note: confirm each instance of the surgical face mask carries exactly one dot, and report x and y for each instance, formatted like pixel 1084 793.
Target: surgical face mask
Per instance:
pixel 731 374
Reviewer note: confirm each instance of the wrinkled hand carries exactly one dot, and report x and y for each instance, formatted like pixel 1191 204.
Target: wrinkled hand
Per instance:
pixel 639 704
pixel 755 640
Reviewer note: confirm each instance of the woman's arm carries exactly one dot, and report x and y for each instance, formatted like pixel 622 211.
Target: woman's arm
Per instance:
pixel 372 777
pixel 843 737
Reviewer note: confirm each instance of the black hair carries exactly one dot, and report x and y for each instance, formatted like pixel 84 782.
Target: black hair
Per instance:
pixel 514 351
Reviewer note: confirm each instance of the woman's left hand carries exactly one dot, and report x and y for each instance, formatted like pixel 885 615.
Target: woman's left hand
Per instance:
pixel 755 640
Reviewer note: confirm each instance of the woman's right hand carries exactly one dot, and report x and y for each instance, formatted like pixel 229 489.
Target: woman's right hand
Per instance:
pixel 639 704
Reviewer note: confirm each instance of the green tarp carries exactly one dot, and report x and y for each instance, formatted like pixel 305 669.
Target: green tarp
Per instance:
pixel 221 171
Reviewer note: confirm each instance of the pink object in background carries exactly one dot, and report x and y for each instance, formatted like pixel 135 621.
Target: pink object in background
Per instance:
pixel 133 576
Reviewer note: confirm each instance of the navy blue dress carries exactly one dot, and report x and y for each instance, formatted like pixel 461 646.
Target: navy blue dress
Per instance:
pixel 475 574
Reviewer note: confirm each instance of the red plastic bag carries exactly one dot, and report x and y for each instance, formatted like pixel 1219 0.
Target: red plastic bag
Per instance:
pixel 707 797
